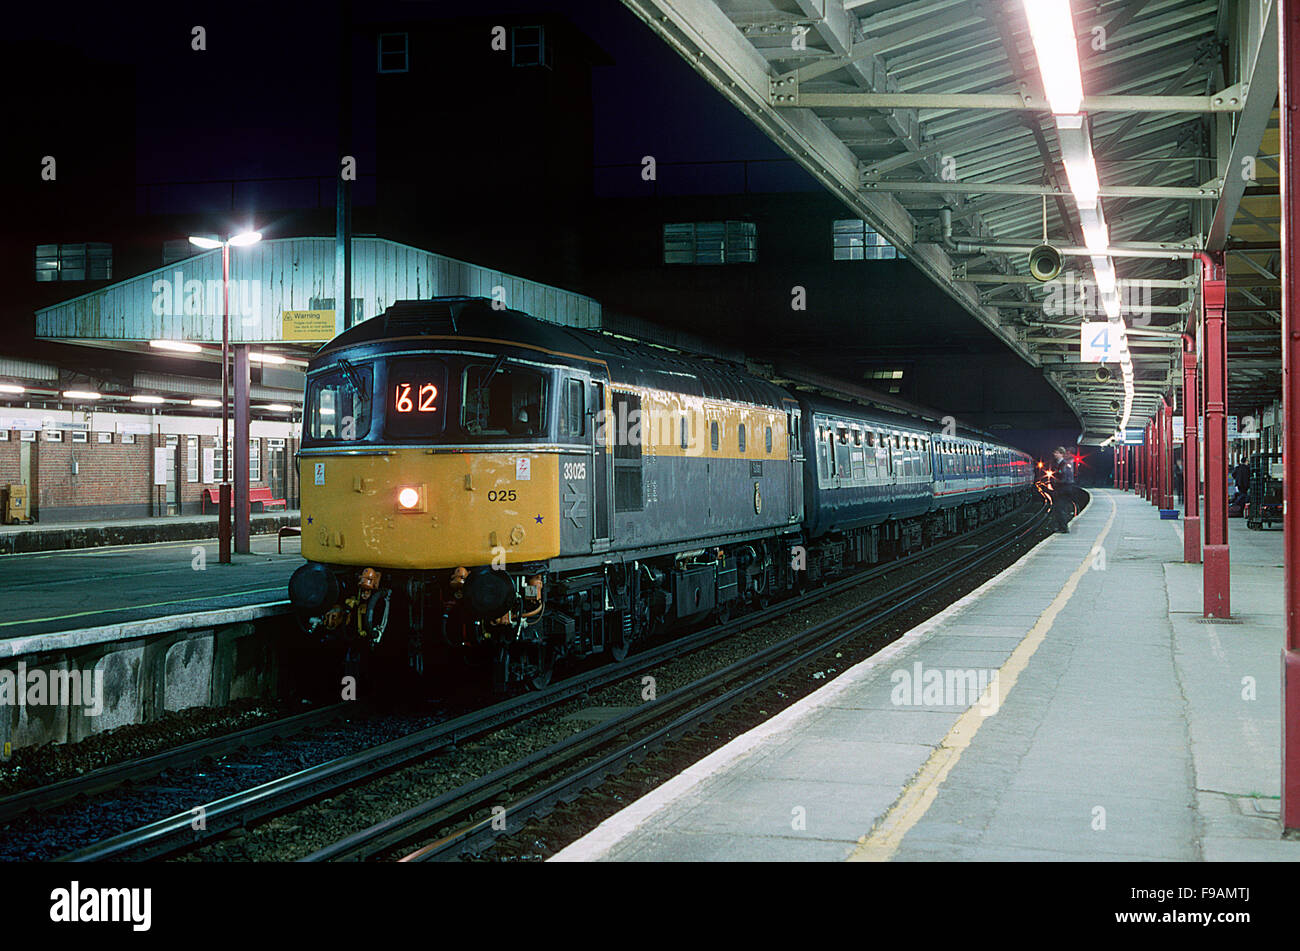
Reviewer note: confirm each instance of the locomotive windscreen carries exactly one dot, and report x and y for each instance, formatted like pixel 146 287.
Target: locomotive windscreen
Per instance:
pixel 339 404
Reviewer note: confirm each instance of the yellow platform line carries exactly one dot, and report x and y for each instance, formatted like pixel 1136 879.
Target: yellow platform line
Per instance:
pixel 883 841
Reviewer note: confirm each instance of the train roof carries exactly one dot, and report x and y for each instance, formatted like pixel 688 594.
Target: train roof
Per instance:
pixel 630 362
pixel 823 404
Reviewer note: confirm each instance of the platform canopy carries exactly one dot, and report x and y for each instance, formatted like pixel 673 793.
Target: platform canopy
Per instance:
pixel 282 297
pixel 931 121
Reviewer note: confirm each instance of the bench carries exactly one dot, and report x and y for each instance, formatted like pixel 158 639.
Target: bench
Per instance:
pixel 289 530
pixel 255 495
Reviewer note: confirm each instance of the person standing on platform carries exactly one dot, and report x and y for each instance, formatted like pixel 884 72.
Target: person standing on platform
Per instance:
pixel 1063 489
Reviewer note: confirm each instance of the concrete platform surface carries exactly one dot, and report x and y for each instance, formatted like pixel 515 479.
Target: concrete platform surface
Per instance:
pixel 1076 707
pixel 60 536
pixel 55 592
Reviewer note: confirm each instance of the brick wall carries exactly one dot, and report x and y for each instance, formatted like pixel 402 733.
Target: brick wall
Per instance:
pixel 112 479
pixel 115 480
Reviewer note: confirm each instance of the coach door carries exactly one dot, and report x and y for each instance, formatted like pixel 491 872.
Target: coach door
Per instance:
pixel 601 472
pixel 795 475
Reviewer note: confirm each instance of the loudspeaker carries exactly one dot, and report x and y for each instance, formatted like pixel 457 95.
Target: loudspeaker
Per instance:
pixel 1044 262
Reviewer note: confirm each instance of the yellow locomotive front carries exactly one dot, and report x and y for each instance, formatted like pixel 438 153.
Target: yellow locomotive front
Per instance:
pixel 430 484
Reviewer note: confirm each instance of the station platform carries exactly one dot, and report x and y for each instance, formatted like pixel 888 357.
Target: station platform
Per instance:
pixel 60 536
pixel 1112 723
pixel 103 589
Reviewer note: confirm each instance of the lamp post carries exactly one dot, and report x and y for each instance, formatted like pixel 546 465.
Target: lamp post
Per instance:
pixel 223 509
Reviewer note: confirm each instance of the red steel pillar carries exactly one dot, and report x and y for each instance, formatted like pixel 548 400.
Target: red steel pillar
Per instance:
pixel 1289 28
pixel 1153 459
pixel 1215 350
pixel 1191 459
pixel 1169 456
pixel 1162 487
pixel 1142 465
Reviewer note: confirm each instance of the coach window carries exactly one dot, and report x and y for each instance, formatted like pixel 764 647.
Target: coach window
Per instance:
pixel 767 439
pixel 685 440
pixel 740 436
pixel 713 435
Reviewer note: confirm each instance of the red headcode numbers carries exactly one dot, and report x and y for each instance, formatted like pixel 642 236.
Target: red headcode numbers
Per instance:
pixel 415 397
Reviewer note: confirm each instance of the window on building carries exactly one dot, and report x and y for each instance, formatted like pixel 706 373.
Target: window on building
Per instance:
pixel 854 240
pixel 128 439
pixel 711 242
pixel 74 262
pixel 105 437
pixel 218 462
pixel 80 437
pixel 191 458
pixel 53 435
pixel 394 53
pixel 528 46
pixel 27 435
pixel 255 460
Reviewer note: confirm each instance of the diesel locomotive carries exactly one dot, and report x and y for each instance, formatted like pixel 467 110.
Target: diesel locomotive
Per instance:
pixel 477 482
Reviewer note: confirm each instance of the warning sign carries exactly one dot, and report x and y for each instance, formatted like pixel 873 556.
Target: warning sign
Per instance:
pixel 308 325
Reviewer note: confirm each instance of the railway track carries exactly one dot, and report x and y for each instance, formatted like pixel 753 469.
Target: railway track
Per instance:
pixel 105 779
pixel 178 833
pixel 594 754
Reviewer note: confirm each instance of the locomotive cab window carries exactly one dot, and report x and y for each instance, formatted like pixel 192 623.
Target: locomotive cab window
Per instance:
pixel 573 420
pixel 502 399
pixel 339 403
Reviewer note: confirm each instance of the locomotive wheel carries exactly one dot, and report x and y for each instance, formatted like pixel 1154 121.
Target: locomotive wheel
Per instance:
pixel 545 667
pixel 618 646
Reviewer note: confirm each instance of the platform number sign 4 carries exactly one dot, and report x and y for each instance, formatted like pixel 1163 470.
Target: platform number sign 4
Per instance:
pixel 1097 343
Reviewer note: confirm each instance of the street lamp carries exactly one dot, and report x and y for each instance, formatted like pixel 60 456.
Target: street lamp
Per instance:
pixel 223 508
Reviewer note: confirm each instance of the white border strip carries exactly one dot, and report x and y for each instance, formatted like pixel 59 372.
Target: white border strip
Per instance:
pixel 596 844
pixel 131 630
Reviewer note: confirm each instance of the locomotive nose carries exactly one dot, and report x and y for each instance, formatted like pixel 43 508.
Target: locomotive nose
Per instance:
pixel 489 594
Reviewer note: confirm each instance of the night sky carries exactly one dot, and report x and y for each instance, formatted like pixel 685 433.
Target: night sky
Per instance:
pixel 261 100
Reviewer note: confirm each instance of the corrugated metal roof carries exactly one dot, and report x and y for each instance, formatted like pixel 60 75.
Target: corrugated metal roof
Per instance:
pixel 182 301
pixel 1198 83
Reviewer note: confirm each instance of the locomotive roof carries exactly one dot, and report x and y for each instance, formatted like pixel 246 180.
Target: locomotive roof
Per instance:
pixel 630 362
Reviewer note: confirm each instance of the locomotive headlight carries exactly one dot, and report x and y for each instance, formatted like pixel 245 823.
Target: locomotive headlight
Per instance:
pixel 410 498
